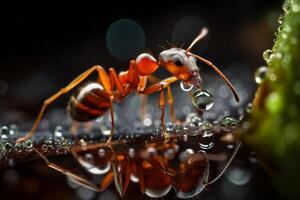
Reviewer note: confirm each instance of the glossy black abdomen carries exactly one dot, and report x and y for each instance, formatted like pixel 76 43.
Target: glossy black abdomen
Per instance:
pixel 89 102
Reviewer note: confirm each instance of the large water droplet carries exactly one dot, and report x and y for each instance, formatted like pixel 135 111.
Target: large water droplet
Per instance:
pixel 207 140
pixel 260 74
pixel 203 100
pixel 186 86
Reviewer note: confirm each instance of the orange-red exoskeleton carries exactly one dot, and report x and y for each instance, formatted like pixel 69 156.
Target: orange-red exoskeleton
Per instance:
pixel 96 98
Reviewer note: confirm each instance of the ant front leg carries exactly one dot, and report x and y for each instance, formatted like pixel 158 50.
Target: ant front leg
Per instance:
pixel 160 87
pixel 152 79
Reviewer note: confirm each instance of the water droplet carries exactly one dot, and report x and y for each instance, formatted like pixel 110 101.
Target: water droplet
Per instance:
pixel 207 140
pixel 150 152
pixel 13 129
pixel 286 6
pixel 186 86
pixel 170 126
pixel 4 131
pixel 183 156
pixel 295 8
pixel 147 121
pixel 266 55
pixel 297 88
pixel 58 132
pixel 260 74
pixel 229 121
pixel 202 100
pixel 134 178
pixel 84 193
pixel 45 148
pixel 239 175
pixel 131 153
pixel 185 137
pixel 169 154
pixel 82 144
pixel 101 153
pixel 207 126
pixel 249 108
pixel 280 19
pixel 253 157
pixel 28 144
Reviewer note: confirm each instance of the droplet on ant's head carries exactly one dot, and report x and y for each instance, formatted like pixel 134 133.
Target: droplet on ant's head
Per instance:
pixel 202 100
pixel 186 86
pixel 260 74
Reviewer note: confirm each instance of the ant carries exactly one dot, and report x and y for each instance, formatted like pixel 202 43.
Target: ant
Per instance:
pixel 96 98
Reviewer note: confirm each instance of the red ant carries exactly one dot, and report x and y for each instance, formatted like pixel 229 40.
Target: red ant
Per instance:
pixel 93 100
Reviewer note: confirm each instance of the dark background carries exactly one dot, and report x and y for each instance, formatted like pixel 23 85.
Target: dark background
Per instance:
pixel 42 49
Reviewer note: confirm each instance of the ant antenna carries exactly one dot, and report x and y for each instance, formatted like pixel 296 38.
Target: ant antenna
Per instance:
pixel 201 35
pixel 235 94
pixel 227 164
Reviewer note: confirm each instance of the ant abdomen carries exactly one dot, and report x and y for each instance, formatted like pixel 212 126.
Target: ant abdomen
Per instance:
pixel 89 102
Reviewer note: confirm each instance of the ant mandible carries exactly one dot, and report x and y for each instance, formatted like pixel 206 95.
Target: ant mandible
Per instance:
pixel 95 99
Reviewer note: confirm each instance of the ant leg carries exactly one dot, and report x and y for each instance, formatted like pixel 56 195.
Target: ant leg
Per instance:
pixel 162 116
pixel 237 147
pixel 159 87
pixel 108 142
pixel 74 130
pixel 143 98
pixel 88 126
pixel 115 81
pixel 143 106
pixel 154 79
pixel 80 180
pixel 102 75
pixel 171 105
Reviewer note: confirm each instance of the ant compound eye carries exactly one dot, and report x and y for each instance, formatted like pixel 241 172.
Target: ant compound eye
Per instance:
pixel 177 60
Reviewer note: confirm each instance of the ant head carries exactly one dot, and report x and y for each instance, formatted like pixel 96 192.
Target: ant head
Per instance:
pixel 180 64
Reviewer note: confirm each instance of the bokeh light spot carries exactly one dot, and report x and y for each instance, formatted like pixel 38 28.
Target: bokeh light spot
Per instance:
pixel 186 30
pixel 125 39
